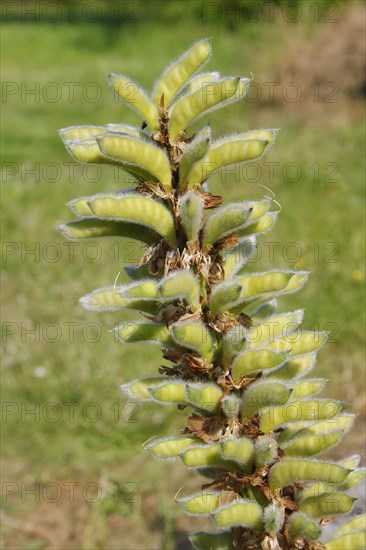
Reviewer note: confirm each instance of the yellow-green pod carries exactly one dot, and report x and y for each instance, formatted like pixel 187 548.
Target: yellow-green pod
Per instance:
pixel 170 392
pixel 262 394
pixel 196 82
pixel 140 331
pixel 244 513
pixel 342 422
pixel 194 336
pixel 275 283
pixel 120 128
pixel 226 152
pixel 169 448
pixel 180 71
pixel 351 541
pixel 291 470
pixel 191 214
pixel 211 96
pixel 265 451
pixel 147 288
pixel 308 341
pixel 273 518
pixel 72 133
pixel 239 450
pixel 355 524
pixel 236 258
pixel 181 284
pixel 132 94
pixel 200 503
pixel 261 226
pixel 211 541
pixel 194 152
pixel 139 389
pixel 224 296
pixel 90 228
pixel 224 221
pixel 297 367
pixel 275 326
pixel 299 410
pixel 206 456
pixel 204 396
pixel 354 478
pixel 351 461
pixel 304 527
pixel 251 362
pixel 136 208
pixel 327 505
pixel 144 155
pixel 305 388
pixel 310 445
pixel 112 299
pixel 259 312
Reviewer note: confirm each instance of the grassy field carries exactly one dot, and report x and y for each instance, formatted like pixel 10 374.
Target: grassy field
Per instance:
pixel 69 436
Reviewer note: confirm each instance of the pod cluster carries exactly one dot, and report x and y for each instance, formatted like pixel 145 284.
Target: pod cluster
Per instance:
pixel 238 364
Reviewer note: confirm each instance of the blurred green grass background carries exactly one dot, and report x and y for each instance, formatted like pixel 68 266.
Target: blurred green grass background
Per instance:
pixel 69 370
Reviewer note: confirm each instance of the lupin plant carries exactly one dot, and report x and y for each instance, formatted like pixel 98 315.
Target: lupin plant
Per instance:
pixel 236 363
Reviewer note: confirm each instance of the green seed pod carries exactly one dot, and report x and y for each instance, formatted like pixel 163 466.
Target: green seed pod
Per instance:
pixel 225 220
pixel 73 133
pixel 259 227
pixel 201 503
pixel 265 451
pixel 191 214
pixel 234 342
pixel 196 82
pixel 352 461
pixel 204 396
pixel 211 96
pixel 310 445
pixel 275 326
pixel 297 367
pixel 211 541
pixel 112 299
pixel 226 152
pixel 91 228
pixel 194 152
pixel 194 336
pixel 245 513
pixel 181 284
pixel 354 478
pixel 169 448
pixel 260 312
pixel 306 342
pixel 239 450
pixel 299 410
pixel 292 470
pixel 236 258
pixel 170 392
pixel 262 394
pixel 251 362
pixel 135 97
pixel 147 288
pixel 273 518
pixel 140 331
pixel 306 388
pixel 355 524
pixel 273 283
pixel 327 505
pixel 231 405
pixel 129 130
pixel 206 456
pixel 180 71
pixel 224 296
pixel 354 541
pixel 144 155
pixel 139 389
pixel 303 526
pixel 136 208
pixel 340 422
